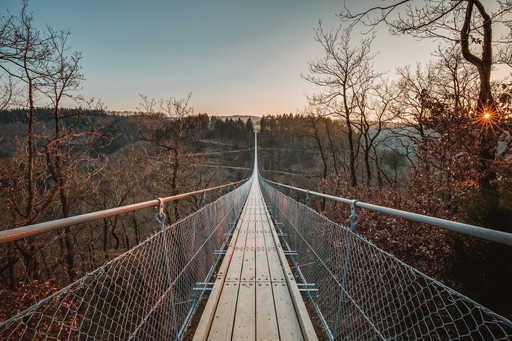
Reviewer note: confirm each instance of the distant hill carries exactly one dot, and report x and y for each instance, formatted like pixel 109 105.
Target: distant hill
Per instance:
pixel 242 117
pixel 234 117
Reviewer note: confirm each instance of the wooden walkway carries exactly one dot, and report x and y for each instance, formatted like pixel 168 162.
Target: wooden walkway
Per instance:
pixel 255 296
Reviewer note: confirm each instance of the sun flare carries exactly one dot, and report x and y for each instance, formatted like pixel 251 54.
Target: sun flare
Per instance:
pixel 486 119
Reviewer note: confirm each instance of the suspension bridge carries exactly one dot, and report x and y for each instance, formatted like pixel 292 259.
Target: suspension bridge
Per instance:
pixel 256 265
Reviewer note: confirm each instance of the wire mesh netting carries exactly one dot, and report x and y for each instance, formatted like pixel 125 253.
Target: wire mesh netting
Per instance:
pixel 147 293
pixel 365 293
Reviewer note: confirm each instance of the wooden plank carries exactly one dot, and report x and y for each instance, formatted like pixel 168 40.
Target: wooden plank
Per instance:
pixel 289 326
pixel 251 232
pixel 266 319
pixel 224 317
pixel 262 266
pixel 308 331
pixel 267 305
pixel 274 262
pixel 235 268
pixel 207 317
pixel 249 265
pixel 245 319
pixel 269 239
pixel 249 261
pixel 244 227
pixel 259 233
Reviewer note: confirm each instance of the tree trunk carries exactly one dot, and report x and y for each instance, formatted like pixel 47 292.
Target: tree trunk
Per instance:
pixel 333 152
pixel 27 250
pixel 488 142
pixel 352 154
pixel 31 154
pixel 367 163
pixel 350 139
pixel 174 180
pixel 377 168
pixel 320 148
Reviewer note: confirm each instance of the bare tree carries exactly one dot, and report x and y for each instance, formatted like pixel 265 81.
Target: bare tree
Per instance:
pixel 375 113
pixel 458 82
pixel 332 146
pixel 51 159
pixel 171 127
pixel 314 119
pixel 22 49
pixel 7 92
pixel 62 79
pixel 465 22
pixel 345 74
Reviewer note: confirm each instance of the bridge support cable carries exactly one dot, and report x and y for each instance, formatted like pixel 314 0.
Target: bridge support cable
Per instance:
pixel 365 293
pixel 146 293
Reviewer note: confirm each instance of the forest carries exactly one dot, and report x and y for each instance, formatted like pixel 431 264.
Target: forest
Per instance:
pixel 435 140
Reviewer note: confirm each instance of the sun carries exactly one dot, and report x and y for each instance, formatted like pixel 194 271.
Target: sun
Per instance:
pixel 487 118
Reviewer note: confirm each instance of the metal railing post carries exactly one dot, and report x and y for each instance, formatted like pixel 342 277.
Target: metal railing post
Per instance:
pixel 354 220
pixel 307 202
pixel 276 203
pixel 160 217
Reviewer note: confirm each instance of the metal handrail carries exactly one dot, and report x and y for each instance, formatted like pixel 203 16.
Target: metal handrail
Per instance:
pixel 473 230
pixel 30 230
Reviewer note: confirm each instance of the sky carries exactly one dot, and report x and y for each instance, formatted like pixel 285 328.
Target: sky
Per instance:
pixel 235 56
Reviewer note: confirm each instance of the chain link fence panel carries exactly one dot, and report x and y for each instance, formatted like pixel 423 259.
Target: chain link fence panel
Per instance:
pixel 148 293
pixel 364 293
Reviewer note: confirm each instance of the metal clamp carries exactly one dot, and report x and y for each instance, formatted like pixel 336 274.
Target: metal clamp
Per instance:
pixel 160 216
pixel 354 218
pixel 203 198
pixel 307 201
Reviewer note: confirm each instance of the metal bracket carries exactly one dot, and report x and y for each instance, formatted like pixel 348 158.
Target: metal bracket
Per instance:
pixel 218 253
pixel 354 218
pixel 282 235
pixel 279 226
pixel 202 288
pixel 294 255
pixel 160 216
pixel 203 198
pixel 307 201
pixel 308 290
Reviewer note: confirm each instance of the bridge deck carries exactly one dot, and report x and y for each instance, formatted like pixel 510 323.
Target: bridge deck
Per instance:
pixel 255 296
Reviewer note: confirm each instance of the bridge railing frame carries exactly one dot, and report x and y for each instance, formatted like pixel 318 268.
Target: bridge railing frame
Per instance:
pixel 363 292
pixel 164 278
pixel 17 233
pixel 473 230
